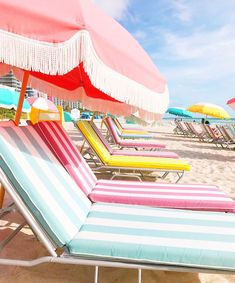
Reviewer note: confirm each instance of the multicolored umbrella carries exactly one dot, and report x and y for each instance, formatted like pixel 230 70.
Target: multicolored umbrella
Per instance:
pixel 179 111
pixel 42 103
pixel 79 53
pixel 209 109
pixel 231 103
pixel 9 99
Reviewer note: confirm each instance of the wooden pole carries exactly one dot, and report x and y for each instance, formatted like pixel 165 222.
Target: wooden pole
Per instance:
pixel 2 193
pixel 21 98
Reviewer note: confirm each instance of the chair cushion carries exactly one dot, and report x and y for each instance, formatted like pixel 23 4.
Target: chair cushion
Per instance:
pixel 183 196
pixel 45 186
pixel 154 235
pixel 61 145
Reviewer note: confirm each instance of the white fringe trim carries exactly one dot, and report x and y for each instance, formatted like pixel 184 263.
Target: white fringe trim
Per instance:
pixel 60 58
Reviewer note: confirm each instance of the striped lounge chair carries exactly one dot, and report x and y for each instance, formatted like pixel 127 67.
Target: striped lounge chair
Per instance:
pixel 197 197
pixel 165 154
pixel 136 165
pixel 125 143
pixel 100 234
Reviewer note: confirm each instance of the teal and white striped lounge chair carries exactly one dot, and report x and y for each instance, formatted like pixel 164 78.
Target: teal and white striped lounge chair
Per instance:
pixel 106 234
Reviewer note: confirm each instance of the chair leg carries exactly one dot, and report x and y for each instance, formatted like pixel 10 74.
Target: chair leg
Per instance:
pixel 96 274
pixel 139 275
pixel 2 193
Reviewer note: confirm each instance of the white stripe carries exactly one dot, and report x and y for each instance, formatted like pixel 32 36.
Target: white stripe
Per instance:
pixel 172 196
pixel 157 190
pixel 160 226
pixel 172 213
pixel 157 241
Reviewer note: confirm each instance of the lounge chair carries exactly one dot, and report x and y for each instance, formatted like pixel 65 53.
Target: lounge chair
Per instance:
pixel 130 134
pixel 75 231
pixel 124 131
pixel 135 164
pixel 136 144
pixel 166 154
pixel 186 196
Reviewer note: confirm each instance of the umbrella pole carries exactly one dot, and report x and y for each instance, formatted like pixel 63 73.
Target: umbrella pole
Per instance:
pixel 2 193
pixel 21 98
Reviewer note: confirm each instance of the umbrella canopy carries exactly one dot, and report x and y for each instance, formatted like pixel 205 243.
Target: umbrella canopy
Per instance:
pixel 80 53
pixel 67 117
pixel 209 110
pixel 231 103
pixel 179 111
pixel 9 99
pixel 42 103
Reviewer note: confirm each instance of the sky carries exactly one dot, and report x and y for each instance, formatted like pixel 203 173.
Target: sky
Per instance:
pixel 192 43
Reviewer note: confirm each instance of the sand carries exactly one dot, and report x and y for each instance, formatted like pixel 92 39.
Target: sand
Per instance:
pixel 209 165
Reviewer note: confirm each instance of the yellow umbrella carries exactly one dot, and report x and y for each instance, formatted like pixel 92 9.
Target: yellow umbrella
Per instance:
pixel 209 110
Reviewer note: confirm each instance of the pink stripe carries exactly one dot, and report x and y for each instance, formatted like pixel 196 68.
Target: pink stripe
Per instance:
pixel 146 153
pixel 181 204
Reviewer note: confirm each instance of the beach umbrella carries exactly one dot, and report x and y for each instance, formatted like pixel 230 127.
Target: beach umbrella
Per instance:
pixel 179 111
pixel 67 117
pixel 209 109
pixel 42 103
pixel 231 103
pixel 79 53
pixel 9 99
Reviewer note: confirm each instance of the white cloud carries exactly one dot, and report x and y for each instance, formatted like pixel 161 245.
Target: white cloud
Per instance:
pixel 205 55
pixel 115 8
pixel 181 10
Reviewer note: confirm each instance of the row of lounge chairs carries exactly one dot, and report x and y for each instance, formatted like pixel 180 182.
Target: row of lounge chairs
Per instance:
pixel 82 220
pixel 220 135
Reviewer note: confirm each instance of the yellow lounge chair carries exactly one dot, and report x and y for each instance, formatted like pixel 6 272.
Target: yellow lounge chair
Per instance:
pixel 138 165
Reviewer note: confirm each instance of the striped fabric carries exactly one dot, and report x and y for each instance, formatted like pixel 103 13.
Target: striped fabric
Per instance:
pixel 48 190
pixel 203 197
pixel 60 143
pixel 183 196
pixel 165 236
pixel 130 143
pixel 165 154
pixel 155 163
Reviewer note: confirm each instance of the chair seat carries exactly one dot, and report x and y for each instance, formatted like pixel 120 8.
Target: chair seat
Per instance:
pixel 147 162
pixel 164 236
pixel 182 196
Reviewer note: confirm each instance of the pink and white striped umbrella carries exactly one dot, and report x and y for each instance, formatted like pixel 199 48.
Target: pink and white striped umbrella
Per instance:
pixel 231 103
pixel 42 104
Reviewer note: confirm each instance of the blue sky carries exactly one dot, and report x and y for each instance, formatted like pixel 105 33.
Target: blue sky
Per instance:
pixel 192 42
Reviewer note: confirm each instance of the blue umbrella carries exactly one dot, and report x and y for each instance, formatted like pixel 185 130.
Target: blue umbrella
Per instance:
pixel 9 99
pixel 179 111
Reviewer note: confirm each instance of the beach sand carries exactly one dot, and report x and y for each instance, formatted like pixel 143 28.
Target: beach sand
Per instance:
pixel 209 165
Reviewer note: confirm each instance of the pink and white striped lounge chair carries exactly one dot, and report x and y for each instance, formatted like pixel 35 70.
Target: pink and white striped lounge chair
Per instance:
pixel 137 144
pixel 186 196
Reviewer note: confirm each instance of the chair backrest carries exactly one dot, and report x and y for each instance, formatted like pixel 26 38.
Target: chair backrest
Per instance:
pixel 94 141
pixel 62 146
pixel 112 128
pixel 9 123
pixel 101 137
pixel 44 185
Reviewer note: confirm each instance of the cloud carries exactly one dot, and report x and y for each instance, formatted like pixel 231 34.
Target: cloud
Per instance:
pixel 181 10
pixel 115 8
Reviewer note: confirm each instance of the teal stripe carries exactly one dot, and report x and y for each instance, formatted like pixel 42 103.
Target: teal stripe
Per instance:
pixel 157 254
pixel 157 219
pixel 55 170
pixel 158 233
